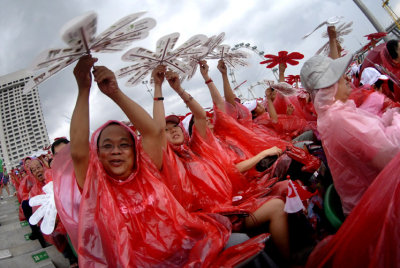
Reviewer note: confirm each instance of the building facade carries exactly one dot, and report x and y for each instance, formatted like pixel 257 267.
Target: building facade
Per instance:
pixel 22 127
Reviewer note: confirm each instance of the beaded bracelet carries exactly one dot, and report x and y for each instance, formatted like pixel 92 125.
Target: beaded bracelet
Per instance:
pixel 158 98
pixel 209 81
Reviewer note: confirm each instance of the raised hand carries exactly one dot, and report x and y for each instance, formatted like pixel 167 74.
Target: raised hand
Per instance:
pixel 268 93
pixel 331 32
pixel 173 80
pixel 82 72
pixel 106 80
pixel 158 74
pixel 222 67
pixel 204 69
pixel 289 109
pixel 273 151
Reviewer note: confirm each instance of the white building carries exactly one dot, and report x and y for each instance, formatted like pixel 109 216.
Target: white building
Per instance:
pixel 22 126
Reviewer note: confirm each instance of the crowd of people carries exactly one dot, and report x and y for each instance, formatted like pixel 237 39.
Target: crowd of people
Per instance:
pixel 209 188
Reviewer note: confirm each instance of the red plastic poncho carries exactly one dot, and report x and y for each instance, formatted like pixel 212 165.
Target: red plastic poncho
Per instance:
pixel 212 189
pixel 370 235
pixel 357 144
pixel 294 124
pixel 26 183
pixel 23 193
pixel 367 99
pixel 380 55
pixel 58 236
pixel 67 194
pixel 24 188
pixel 138 222
pixel 287 127
pixel 251 142
pixel 210 149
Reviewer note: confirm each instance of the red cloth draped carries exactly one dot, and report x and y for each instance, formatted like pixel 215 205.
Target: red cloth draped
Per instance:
pixel 370 235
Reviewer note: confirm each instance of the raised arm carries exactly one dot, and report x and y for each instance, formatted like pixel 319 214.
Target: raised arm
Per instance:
pixel 251 162
pixel 333 43
pixel 149 130
pixel 228 92
pixel 271 108
pixel 282 69
pixel 158 75
pixel 200 120
pixel 216 97
pixel 79 128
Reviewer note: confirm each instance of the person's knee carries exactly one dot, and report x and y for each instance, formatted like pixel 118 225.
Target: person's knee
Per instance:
pixel 277 209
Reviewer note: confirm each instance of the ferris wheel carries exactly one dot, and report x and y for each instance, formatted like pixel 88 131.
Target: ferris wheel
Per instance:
pixel 250 89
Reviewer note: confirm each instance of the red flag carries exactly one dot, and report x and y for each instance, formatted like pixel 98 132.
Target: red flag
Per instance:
pixel 296 194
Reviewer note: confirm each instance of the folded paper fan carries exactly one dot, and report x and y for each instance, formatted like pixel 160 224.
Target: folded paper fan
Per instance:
pixel 165 54
pixel 79 34
pixel 329 22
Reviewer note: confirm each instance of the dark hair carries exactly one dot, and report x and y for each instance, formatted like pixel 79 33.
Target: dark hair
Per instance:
pixel 392 46
pixel 58 142
pixel 378 83
pixel 390 85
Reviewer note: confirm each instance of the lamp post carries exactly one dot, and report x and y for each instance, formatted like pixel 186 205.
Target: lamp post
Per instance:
pixel 371 18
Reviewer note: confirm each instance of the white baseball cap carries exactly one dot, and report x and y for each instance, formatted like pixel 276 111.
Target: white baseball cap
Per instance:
pixel 370 75
pixel 251 105
pixel 322 72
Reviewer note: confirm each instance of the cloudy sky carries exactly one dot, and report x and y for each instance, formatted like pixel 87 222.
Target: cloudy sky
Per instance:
pixel 29 27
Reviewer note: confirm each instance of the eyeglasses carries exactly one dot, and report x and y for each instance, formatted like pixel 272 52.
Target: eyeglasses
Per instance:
pixel 110 147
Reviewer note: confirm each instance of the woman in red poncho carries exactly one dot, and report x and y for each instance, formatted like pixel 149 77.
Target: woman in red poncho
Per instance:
pixel 31 186
pixel 128 217
pixel 194 167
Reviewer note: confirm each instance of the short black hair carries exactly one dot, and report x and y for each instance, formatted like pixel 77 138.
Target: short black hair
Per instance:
pixel 58 142
pixel 378 83
pixel 392 46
